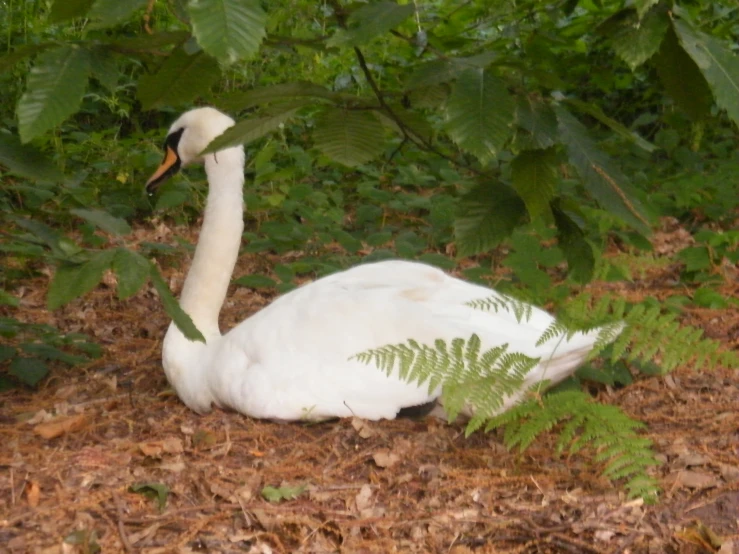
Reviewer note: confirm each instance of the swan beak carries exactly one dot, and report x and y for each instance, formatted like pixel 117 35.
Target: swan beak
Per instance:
pixel 170 165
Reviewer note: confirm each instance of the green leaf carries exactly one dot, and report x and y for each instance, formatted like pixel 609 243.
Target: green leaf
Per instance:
pixel 438 260
pixel 48 352
pixel 348 137
pixel 72 281
pixel 577 250
pixel 192 75
pixel 695 258
pixel 718 64
pixel 487 215
pixel 348 242
pixel 600 175
pixel 539 120
pixel 534 176
pixel 104 68
pixel 369 21
pixel 609 374
pixel 228 30
pixel 621 130
pixel 28 371
pixel 264 95
pixel 273 494
pixel 682 78
pixel 103 220
pixel 7 299
pixel 54 90
pixel 172 307
pixel 112 12
pixel 132 270
pixel 637 41
pixel 709 298
pixel 147 43
pixel 642 6
pixel 7 61
pixel 158 492
pixel 26 160
pixel 256 281
pixel 62 10
pixel 479 114
pixel 252 129
pixel 7 353
pixel 444 70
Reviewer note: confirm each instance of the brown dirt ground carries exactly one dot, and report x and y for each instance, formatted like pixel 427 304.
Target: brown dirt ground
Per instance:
pixel 391 486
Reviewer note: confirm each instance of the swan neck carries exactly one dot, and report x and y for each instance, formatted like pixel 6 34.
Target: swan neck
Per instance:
pixel 206 285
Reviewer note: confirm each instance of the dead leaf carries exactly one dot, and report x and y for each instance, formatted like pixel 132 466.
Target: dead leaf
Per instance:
pixel 59 426
pixel 363 497
pixel 33 493
pixel 363 429
pixel 385 458
pixel 729 473
pixel 695 479
pixel 155 449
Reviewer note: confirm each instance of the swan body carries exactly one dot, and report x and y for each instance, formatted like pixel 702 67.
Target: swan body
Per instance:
pixel 292 360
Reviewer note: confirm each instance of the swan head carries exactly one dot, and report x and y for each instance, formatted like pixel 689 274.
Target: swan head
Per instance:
pixel 186 139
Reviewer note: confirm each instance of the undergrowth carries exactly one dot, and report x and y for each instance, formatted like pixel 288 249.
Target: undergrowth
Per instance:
pixel 491 386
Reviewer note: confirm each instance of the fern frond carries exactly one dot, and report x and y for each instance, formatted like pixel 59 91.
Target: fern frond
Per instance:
pixel 605 428
pixel 521 310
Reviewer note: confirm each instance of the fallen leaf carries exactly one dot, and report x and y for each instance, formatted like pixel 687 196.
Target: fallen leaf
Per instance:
pixel 33 493
pixel 385 458
pixel 729 473
pixel 695 479
pixel 363 429
pixel 155 449
pixel 60 426
pixel 362 500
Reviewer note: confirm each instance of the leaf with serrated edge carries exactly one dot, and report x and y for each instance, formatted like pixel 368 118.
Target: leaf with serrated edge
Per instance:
pixel 534 176
pixel 193 75
pixel 26 160
pixel 642 6
pixel 228 30
pixel 487 215
pixel 132 270
pixel 682 78
pixel 621 130
pixel 348 137
pixel 274 93
pixel 479 114
pixel 599 173
pixel 539 120
pixel 172 307
pixel 103 220
pixel 54 90
pixel 369 21
pixel 577 250
pixel 636 42
pixel 72 281
pixel 111 12
pixel 719 65
pixel 252 129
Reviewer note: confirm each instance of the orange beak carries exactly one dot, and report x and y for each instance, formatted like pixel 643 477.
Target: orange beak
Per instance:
pixel 169 166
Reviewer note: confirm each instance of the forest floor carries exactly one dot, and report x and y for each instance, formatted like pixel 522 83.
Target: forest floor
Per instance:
pixel 74 449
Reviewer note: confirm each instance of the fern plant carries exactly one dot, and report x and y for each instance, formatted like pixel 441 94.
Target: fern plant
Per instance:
pixel 491 386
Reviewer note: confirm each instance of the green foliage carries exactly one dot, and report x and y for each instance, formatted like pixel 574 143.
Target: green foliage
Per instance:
pixel 648 334
pixel 278 494
pixel 158 492
pixel 35 347
pixel 228 30
pixel 583 423
pixel 54 90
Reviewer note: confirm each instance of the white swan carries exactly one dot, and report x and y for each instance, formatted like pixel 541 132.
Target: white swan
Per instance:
pixel 291 360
